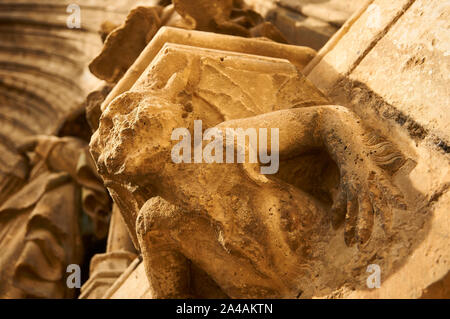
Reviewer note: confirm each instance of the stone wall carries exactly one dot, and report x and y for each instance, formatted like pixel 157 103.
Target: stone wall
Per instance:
pixel 390 65
pixel 307 22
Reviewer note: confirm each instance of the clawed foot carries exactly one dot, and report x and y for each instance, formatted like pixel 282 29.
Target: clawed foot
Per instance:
pixel 364 190
pixel 166 267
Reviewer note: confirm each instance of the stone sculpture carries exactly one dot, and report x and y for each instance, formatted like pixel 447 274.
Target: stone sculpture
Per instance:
pixel 40 232
pixel 212 216
pixel 334 210
pixel 40 195
pixel 123 44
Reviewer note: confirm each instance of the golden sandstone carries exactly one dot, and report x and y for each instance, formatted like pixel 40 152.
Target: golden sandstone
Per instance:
pixel 219 156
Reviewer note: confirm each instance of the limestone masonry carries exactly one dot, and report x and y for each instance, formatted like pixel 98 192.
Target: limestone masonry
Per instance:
pixel 224 149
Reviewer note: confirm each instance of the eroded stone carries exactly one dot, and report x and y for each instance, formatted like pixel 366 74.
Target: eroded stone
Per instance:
pixel 278 244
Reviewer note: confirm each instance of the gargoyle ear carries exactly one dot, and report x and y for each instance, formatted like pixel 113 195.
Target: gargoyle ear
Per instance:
pixel 177 83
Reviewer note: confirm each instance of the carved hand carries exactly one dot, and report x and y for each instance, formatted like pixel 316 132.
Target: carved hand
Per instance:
pixel 364 191
pixel 363 160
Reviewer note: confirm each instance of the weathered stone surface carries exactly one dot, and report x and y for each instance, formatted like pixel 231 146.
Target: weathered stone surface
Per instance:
pixel 44 81
pixel 344 197
pixel 395 79
pixel 374 22
pixel 204 13
pixel 299 56
pixel 93 104
pixel 124 44
pixel 259 70
pixel 105 269
pixel 279 253
pixel 133 284
pixel 416 62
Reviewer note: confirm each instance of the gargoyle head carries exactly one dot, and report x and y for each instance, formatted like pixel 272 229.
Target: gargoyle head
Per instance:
pixel 133 141
pixel 133 144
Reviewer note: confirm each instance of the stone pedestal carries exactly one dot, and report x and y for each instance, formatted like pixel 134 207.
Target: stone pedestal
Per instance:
pixel 106 268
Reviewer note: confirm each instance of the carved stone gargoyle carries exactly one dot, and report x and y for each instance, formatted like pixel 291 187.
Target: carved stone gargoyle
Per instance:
pixel 254 235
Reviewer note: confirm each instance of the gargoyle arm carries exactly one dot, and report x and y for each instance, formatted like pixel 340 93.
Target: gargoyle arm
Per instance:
pixel 365 188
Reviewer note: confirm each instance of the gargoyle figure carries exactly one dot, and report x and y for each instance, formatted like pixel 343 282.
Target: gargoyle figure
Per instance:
pixel 256 236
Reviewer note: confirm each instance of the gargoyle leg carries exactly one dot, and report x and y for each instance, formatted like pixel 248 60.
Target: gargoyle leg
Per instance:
pixel 166 268
pixel 171 238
